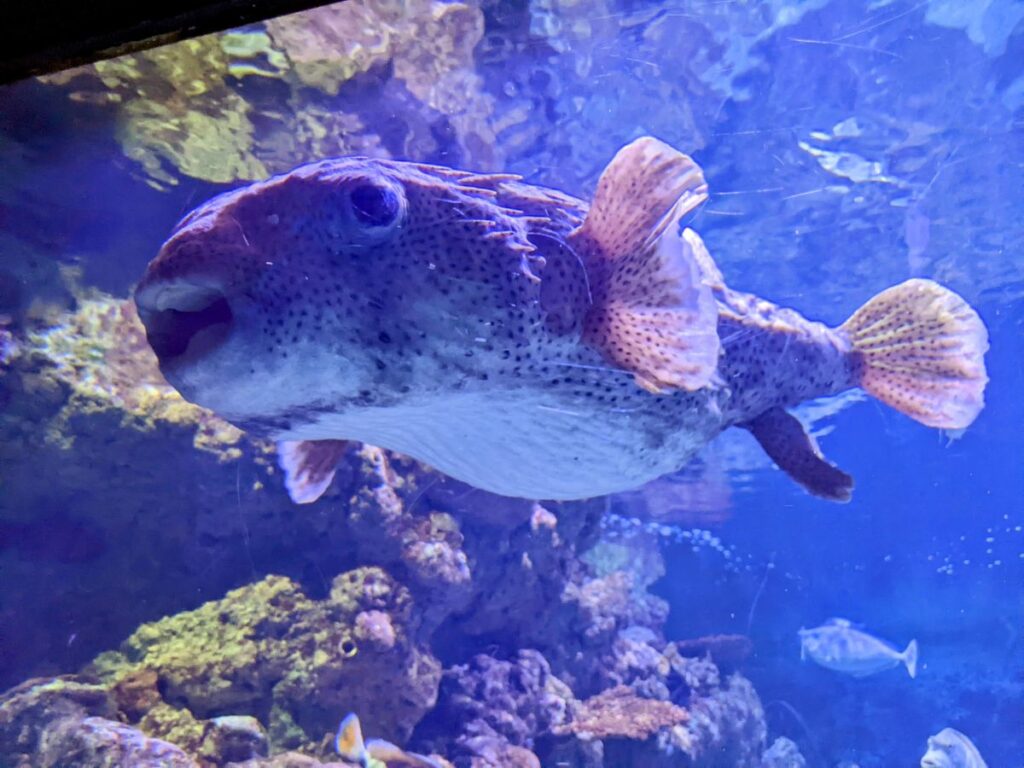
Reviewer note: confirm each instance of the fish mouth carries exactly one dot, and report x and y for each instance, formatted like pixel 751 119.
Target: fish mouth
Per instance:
pixel 184 319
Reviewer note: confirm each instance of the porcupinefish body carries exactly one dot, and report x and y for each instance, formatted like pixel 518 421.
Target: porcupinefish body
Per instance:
pixel 514 337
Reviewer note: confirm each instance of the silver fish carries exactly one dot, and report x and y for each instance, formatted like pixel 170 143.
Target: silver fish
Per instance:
pixel 516 338
pixel 838 644
pixel 951 749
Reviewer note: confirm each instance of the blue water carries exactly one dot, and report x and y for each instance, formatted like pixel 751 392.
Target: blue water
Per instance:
pixel 848 146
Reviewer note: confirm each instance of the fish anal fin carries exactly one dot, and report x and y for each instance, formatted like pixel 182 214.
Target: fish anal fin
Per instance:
pixel 652 312
pixel 309 466
pixel 796 453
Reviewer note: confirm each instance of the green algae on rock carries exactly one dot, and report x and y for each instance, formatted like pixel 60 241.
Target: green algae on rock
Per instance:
pixel 474 568
pixel 188 110
pixel 267 647
pixel 100 356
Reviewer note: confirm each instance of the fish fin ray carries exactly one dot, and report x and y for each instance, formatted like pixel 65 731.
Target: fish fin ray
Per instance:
pixel 910 658
pixel 709 271
pixel 653 314
pixel 920 348
pixel 348 742
pixel 645 189
pixel 796 452
pixel 309 466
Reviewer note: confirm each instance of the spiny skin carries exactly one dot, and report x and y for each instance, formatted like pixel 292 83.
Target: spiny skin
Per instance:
pixel 431 333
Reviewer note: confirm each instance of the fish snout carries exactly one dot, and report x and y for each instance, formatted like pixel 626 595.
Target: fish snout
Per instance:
pixel 186 299
pixel 184 317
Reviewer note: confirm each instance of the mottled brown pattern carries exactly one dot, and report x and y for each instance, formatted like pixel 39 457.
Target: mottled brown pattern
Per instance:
pixel 619 713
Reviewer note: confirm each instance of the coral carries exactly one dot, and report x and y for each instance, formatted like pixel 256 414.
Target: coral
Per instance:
pixel 267 646
pixel 424 562
pixel 618 712
pixel 233 738
pixel 429 544
pixel 101 355
pixel 108 744
pixel 726 728
pixel 728 652
pixel 291 760
pixel 239 105
pixel 605 607
pixel 49 723
pixel 489 752
pixel 783 753
pixel 499 704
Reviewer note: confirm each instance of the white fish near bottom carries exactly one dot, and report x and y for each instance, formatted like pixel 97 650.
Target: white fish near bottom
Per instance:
pixel 951 749
pixel 839 645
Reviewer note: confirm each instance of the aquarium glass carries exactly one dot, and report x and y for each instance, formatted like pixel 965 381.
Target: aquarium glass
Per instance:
pixel 630 485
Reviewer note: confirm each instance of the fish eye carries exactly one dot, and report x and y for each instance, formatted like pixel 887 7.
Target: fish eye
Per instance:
pixel 374 205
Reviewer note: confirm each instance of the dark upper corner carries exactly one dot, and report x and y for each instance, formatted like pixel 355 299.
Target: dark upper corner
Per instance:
pixel 44 36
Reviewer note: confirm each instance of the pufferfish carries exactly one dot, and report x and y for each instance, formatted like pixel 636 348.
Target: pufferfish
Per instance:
pixel 515 337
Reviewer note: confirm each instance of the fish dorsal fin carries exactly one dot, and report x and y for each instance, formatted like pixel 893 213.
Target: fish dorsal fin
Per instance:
pixel 309 466
pixel 709 271
pixel 652 313
pixel 837 622
pixel 349 740
pixel 795 451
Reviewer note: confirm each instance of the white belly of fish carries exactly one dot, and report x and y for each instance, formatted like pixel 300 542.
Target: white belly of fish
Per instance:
pixel 515 445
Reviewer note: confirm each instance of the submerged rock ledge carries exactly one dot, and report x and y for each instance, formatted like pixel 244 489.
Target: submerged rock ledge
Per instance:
pixel 462 624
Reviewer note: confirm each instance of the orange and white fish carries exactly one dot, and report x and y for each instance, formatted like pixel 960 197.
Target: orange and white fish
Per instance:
pixel 375 753
pixel 516 338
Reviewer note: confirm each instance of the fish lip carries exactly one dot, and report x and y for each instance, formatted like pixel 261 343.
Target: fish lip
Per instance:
pixel 184 318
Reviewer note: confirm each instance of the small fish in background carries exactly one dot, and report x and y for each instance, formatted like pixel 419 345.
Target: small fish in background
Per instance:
pixel 375 753
pixel 839 645
pixel 951 749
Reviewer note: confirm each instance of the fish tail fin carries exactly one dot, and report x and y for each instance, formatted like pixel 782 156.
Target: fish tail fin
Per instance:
pixel 910 658
pixel 920 348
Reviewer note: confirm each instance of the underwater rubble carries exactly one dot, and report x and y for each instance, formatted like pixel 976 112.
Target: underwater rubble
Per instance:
pixel 208 621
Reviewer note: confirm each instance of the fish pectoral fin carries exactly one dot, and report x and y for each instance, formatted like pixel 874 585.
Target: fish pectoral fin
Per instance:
pixel 653 312
pixel 309 466
pixel 796 453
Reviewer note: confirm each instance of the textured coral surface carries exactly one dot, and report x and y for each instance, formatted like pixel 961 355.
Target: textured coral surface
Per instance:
pixel 454 621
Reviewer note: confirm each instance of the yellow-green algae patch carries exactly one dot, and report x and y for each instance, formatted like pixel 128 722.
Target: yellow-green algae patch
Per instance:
pixel 298 664
pixel 100 356
pixel 184 109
